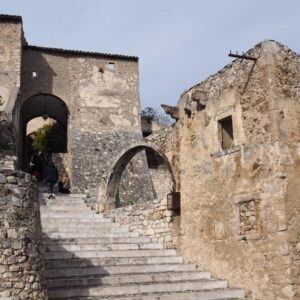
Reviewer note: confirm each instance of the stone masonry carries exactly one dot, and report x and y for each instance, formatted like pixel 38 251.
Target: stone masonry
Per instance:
pixel 94 96
pixel 21 259
pixel 236 144
pixel 151 219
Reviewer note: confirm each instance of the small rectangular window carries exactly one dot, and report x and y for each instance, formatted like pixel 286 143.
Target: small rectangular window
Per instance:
pixel 226 133
pixel 34 74
pixel 111 66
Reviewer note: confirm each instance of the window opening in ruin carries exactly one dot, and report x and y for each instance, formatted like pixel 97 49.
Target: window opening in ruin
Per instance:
pixel 249 215
pixel 226 132
pixel 111 66
pixel 34 74
pixel 188 112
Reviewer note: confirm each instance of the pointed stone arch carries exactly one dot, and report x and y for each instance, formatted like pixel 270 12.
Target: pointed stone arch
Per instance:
pixel 111 179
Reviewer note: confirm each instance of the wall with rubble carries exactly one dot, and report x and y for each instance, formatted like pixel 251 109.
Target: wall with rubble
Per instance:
pixel 21 259
pixel 239 212
pixel 151 218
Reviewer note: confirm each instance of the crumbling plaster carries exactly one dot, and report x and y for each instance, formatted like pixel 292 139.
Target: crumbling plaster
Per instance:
pixel 103 106
pixel 239 212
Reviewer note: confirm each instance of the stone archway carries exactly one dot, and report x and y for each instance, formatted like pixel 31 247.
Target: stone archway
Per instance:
pixel 45 106
pixel 110 181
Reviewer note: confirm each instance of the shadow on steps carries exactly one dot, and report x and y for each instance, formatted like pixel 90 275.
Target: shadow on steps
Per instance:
pixel 70 271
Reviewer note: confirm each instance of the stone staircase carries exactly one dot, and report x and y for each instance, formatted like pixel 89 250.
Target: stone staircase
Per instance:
pixel 91 257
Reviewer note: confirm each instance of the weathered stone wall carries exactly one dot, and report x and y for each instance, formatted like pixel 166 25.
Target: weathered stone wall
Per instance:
pixel 286 94
pixel 7 141
pixel 100 91
pixel 103 104
pixel 10 57
pixel 237 218
pixel 11 41
pixel 162 181
pixel 94 153
pixel 292 205
pixel 151 218
pixel 63 163
pixel 136 184
pixel 154 181
pixel 21 260
pixel 168 141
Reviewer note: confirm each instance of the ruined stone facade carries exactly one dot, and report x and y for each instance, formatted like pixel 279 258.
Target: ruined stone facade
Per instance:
pixel 235 154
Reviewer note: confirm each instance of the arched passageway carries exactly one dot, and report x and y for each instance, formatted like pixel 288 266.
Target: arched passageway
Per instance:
pixel 162 178
pixel 47 107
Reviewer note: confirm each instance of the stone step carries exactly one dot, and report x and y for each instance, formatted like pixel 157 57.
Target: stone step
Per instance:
pixel 67 201
pixel 62 207
pixel 216 294
pixel 88 256
pixel 103 247
pixel 108 254
pixel 62 196
pixel 68 214
pixel 77 220
pixel 96 234
pixel 99 240
pixel 126 279
pixel 110 291
pixel 73 225
pixel 128 265
pixel 96 229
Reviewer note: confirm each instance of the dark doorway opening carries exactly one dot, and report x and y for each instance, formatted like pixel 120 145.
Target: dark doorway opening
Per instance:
pixel 44 129
pixel 226 133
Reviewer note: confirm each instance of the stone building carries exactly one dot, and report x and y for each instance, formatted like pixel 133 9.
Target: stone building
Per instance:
pixel 93 96
pixel 235 154
pixel 232 156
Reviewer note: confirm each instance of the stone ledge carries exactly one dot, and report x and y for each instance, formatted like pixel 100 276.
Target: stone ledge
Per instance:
pixel 246 197
pixel 225 152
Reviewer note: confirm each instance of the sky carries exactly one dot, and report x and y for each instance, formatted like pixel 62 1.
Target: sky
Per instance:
pixel 179 42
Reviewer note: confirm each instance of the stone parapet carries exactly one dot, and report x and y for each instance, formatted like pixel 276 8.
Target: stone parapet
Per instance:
pixel 21 260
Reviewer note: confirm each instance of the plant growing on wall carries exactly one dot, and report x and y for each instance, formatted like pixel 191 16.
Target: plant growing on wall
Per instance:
pixel 49 139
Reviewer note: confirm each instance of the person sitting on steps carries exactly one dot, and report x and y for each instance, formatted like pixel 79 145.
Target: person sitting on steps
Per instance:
pixel 64 183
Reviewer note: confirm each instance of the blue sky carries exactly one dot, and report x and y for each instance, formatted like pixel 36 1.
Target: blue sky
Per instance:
pixel 179 42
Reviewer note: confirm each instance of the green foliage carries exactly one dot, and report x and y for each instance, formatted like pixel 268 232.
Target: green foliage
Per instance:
pixel 49 139
pixel 157 116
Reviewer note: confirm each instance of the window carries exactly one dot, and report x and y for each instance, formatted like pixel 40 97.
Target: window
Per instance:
pixel 34 74
pixel 249 217
pixel 110 66
pixel 226 132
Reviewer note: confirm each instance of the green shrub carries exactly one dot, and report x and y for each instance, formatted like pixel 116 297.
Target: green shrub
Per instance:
pixel 49 139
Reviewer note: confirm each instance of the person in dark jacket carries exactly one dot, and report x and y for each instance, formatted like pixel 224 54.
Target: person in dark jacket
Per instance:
pixel 51 177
